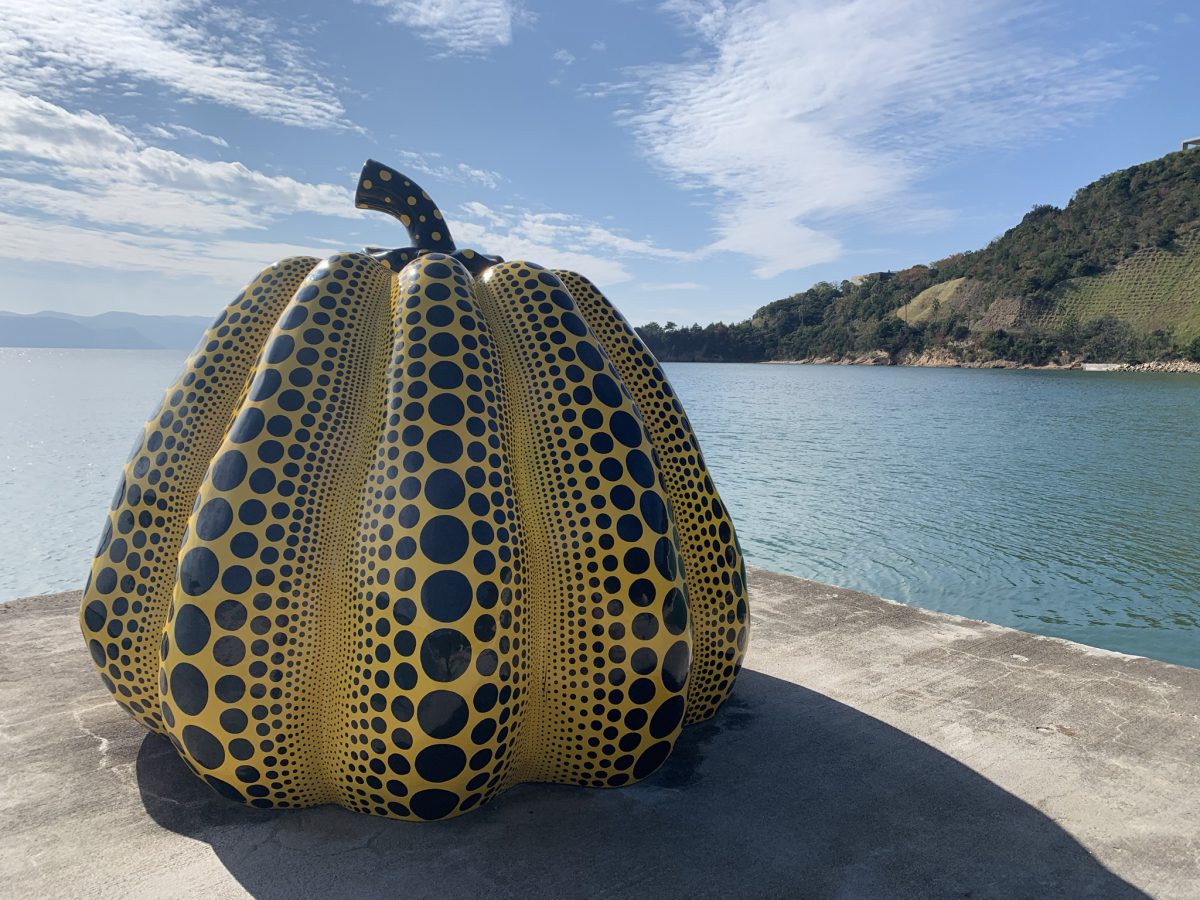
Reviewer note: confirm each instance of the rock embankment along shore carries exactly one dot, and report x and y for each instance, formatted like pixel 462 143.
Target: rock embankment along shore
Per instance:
pixel 940 359
pixel 869 749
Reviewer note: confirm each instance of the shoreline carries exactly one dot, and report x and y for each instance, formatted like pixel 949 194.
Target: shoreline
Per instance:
pixel 945 361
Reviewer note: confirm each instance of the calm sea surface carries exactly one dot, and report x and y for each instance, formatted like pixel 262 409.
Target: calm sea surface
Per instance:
pixel 1057 502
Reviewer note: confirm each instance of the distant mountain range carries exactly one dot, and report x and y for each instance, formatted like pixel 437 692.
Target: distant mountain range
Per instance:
pixel 111 330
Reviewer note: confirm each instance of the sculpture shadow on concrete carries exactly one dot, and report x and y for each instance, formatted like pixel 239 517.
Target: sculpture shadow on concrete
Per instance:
pixel 784 793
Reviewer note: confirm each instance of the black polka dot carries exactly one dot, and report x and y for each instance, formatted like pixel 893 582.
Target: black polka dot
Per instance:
pixel 213 519
pixel 105 537
pixel 240 748
pixel 651 759
pixel 433 803
pixel 445 446
pixel 445 489
pixel 252 512
pixel 485 698
pixel 654 512
pixel 665 559
pixel 444 540
pixel 443 344
pixel 487 662
pixel 446 595
pixel 198 571
pixel 230 615
pixel 230 688
pixel 94 615
pixel 642 691
pixel 636 560
pixel 229 650
pixel 446 409
pixel 640 468
pixel 229 470
pixel 192 629
pixel 226 790
pixel 295 315
pixel 189 689
pixel 606 390
pixel 249 423
pixel 675 666
pixel 234 721
pixel 442 714
pixel 262 480
pixel 629 528
pixel 590 357
pixel 404 611
pixel 281 348
pixel 106 581
pixel 236 579
pixel 265 384
pixel 644 661
pixel 667 717
pixel 445 375
pixel 437 292
pixel 291 400
pixel 675 612
pixel 441 762
pixel 203 747
pixel 244 544
pixel 445 654
pixel 641 592
pixel 645 626
pixel 625 428
pixel 270 451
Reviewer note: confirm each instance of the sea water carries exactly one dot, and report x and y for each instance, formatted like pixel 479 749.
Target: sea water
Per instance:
pixel 1063 503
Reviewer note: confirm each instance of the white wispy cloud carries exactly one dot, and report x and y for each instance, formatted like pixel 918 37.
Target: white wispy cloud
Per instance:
pixel 427 164
pixel 83 167
pixel 56 48
pixel 92 193
pixel 229 262
pixel 599 46
pixel 566 57
pixel 171 132
pixel 459 26
pixel 562 240
pixel 797 114
pixel 670 286
pixel 101 196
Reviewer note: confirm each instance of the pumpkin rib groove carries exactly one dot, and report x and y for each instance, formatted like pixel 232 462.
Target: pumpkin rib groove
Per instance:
pixel 158 488
pixel 543 584
pixel 251 694
pixel 712 558
pixel 611 596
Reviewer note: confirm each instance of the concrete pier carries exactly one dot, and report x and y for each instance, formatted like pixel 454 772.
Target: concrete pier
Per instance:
pixel 869 750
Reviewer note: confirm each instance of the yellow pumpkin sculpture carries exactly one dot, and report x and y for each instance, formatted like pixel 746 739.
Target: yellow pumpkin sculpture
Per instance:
pixel 414 526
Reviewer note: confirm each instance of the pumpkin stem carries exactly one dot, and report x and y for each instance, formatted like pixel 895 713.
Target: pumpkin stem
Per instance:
pixel 384 189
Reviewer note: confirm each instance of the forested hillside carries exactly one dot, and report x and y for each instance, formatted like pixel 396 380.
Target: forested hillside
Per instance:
pixel 1113 277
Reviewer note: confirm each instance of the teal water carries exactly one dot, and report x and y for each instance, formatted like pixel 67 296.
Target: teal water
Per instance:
pixel 1062 503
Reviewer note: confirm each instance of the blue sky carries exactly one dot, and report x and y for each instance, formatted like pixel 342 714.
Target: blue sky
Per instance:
pixel 696 158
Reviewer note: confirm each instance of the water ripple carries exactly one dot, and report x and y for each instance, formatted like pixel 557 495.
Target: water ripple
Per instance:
pixel 1059 502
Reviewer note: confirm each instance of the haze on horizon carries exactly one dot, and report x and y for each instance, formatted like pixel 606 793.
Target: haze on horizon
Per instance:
pixel 696 158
